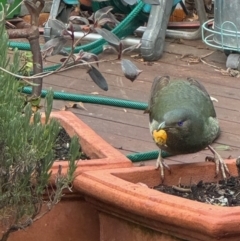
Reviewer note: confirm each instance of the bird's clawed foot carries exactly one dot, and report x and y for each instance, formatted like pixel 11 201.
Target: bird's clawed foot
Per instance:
pixel 161 164
pixel 218 162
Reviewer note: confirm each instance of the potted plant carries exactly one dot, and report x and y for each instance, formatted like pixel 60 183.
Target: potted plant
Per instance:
pixel 129 210
pixel 27 153
pixel 32 182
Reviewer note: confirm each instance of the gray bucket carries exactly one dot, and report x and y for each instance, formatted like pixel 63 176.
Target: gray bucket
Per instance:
pixel 227 23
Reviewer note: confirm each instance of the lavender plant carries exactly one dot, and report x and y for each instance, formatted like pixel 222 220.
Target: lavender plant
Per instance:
pixel 26 147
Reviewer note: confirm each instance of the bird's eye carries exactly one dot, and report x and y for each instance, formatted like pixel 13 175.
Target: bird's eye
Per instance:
pixel 180 123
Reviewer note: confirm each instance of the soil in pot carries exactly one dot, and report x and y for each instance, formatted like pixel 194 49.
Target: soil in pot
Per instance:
pixel 62 145
pixel 223 193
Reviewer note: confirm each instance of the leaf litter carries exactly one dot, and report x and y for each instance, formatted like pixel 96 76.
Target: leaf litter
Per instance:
pixel 62 147
pixel 225 193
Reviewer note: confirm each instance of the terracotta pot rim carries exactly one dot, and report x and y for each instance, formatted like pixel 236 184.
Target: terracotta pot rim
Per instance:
pixel 104 185
pixel 107 177
pixel 108 156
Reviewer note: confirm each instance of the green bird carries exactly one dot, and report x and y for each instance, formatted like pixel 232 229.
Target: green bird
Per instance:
pixel 182 119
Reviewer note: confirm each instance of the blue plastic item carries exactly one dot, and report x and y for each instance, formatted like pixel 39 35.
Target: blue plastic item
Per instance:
pixel 175 2
pixel 71 2
pixel 147 8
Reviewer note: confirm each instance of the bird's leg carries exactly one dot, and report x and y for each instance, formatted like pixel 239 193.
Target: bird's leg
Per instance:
pixel 161 164
pixel 219 161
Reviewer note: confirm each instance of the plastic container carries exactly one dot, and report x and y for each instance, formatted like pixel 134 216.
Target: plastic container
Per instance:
pixel 225 33
pixel 16 12
pixel 227 22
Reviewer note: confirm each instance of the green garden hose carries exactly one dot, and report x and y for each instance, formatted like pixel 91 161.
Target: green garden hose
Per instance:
pixel 144 156
pixel 93 99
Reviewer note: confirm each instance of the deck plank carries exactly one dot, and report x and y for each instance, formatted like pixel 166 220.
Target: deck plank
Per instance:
pixel 127 129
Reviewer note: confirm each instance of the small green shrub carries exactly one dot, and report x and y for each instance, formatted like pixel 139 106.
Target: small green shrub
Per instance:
pixel 26 150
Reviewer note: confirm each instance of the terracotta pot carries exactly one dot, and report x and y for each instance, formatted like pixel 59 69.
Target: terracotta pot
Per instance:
pixel 130 211
pixel 102 154
pixel 71 219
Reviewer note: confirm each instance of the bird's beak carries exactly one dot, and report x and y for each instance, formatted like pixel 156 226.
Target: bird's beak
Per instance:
pixel 160 135
pixel 161 126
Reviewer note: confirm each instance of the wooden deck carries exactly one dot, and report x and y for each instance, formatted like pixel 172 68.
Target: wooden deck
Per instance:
pixel 127 129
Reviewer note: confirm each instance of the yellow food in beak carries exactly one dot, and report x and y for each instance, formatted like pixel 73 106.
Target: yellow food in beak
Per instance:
pixel 160 137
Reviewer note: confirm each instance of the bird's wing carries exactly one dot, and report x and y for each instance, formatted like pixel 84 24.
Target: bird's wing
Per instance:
pixel 158 83
pixel 197 84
